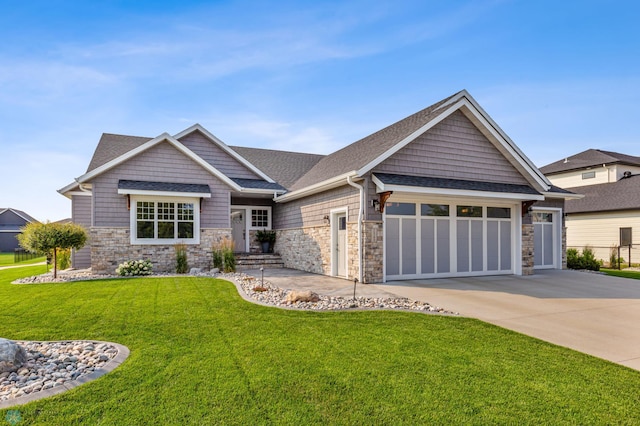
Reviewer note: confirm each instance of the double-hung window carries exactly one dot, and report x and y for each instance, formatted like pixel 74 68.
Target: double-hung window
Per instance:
pixel 164 220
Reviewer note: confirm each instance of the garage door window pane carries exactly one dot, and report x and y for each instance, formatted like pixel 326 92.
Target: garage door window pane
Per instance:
pixel 428 242
pixel 434 209
pixel 469 211
pixel 408 246
pixel 499 212
pixel 408 209
pixel 393 246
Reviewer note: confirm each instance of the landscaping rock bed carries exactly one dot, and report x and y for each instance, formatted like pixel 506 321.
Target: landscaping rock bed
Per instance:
pixel 52 364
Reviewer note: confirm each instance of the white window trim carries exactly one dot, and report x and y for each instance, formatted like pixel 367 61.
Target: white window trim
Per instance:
pixel 247 223
pixel 163 199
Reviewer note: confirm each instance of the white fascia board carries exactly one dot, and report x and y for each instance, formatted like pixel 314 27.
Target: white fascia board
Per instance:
pixel 261 191
pixel 563 195
pixel 68 188
pixel 3 210
pixel 225 148
pixel 164 193
pixel 79 193
pixel 19 215
pixel 506 141
pixel 318 187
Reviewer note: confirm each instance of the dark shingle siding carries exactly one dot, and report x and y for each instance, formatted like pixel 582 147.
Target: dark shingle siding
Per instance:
pixel 163 186
pixel 258 184
pixel 113 146
pixel 431 182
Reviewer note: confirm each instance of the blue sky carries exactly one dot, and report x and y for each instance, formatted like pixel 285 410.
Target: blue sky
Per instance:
pixel 558 77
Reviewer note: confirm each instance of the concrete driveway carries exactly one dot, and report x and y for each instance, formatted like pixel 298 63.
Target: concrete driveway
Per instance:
pixel 591 313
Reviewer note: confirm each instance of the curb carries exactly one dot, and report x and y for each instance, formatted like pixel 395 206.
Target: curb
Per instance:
pixel 123 354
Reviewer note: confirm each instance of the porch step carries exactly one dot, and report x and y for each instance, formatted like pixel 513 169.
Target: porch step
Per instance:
pixel 246 261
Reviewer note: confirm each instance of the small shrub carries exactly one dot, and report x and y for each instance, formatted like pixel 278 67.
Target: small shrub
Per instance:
pixel 223 257
pixel 64 259
pixel 181 258
pixel 584 260
pixel 134 268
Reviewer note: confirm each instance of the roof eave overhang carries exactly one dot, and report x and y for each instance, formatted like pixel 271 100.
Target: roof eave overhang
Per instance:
pixel 563 195
pixel 317 188
pixel 164 193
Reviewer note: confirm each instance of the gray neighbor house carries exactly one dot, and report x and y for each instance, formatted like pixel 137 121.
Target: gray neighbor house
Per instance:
pixel 11 221
pixel 441 193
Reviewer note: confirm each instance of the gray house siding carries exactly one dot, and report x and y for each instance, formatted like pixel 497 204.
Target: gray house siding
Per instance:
pixel 310 211
pixel 81 214
pixel 162 163
pixel 212 154
pixel 8 241
pixel 454 149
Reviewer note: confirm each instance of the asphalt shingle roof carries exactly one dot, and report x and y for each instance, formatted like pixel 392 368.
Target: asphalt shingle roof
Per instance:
pixel 163 186
pixel 589 158
pixel 258 184
pixel 362 152
pixel 432 182
pixel 621 195
pixel 113 146
pixel 19 213
pixel 282 166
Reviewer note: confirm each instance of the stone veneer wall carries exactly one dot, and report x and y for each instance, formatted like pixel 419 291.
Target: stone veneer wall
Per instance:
pixel 373 248
pixel 527 249
pixel 309 248
pixel 111 247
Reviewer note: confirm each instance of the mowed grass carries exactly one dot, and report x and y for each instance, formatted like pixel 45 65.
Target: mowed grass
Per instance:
pixel 8 259
pixel 624 274
pixel 202 355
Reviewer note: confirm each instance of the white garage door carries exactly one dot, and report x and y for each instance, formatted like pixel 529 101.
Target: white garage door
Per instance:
pixel 424 240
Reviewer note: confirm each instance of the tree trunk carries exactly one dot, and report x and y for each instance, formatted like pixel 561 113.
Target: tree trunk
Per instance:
pixel 55 263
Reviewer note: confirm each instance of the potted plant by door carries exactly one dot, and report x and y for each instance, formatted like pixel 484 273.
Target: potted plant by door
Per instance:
pixel 267 239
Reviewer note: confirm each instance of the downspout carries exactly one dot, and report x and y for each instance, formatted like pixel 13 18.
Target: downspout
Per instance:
pixel 360 217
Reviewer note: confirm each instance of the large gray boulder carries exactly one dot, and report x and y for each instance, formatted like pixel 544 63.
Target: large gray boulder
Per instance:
pixel 12 356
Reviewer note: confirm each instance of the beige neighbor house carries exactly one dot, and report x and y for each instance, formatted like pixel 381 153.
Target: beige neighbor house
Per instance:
pixel 610 209
pixel 441 193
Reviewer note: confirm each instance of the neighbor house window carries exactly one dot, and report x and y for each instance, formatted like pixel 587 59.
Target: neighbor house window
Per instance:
pixel 164 221
pixel 588 175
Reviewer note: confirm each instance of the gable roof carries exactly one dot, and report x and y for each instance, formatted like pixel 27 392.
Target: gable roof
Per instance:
pixel 284 167
pixel 589 158
pixel 621 195
pixel 362 156
pixel 113 150
pixel 27 218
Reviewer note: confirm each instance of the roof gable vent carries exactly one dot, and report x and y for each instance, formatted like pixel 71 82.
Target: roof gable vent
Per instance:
pixel 626 174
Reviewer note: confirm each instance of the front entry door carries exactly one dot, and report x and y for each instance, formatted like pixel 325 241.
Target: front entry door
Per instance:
pixel 238 230
pixel 340 244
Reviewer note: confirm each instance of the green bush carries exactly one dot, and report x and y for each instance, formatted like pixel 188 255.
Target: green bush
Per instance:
pixel 584 260
pixel 229 260
pixel 223 257
pixel 181 258
pixel 134 268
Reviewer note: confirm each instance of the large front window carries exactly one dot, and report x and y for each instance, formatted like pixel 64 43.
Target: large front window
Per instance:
pixel 161 221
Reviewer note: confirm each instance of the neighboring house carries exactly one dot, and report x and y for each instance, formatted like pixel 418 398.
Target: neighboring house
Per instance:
pixel 610 183
pixel 11 220
pixel 441 193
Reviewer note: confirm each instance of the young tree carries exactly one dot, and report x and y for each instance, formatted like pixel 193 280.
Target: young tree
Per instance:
pixel 47 238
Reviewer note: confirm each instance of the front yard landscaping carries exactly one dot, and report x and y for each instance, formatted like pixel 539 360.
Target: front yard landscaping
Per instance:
pixel 8 259
pixel 200 354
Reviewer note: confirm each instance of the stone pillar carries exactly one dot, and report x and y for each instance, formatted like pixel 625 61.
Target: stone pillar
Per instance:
pixel 527 249
pixel 373 249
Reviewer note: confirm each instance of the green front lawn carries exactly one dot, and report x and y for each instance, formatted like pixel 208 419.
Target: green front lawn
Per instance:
pixel 624 274
pixel 202 355
pixel 7 259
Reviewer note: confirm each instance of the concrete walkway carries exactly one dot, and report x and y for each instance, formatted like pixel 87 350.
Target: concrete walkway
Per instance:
pixel 591 313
